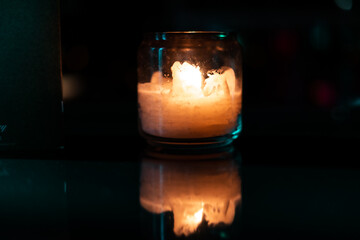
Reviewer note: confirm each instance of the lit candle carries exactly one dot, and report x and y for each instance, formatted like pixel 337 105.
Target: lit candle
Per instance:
pixel 190 105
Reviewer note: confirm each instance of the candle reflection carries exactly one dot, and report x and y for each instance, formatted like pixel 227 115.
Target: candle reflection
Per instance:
pixel 201 190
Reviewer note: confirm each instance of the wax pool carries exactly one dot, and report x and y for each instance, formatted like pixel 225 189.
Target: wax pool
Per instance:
pixel 189 105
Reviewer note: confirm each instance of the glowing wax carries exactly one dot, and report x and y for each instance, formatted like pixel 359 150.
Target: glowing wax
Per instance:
pixel 189 105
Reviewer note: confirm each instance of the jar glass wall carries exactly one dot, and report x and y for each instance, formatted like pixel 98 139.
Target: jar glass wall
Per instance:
pixel 189 88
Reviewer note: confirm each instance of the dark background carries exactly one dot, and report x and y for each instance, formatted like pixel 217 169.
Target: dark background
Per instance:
pixel 301 62
pixel 298 149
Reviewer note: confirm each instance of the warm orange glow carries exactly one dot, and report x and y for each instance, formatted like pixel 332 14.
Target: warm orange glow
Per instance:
pixel 201 195
pixel 71 86
pixel 194 103
pixel 187 79
pixel 187 217
pixel 197 216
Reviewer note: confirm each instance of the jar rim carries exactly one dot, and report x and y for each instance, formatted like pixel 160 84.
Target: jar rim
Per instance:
pixel 193 32
pixel 188 35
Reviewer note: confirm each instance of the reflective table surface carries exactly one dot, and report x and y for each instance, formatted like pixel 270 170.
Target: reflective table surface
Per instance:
pixel 254 189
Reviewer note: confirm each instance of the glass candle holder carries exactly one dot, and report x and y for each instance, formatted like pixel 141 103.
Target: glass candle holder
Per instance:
pixel 190 88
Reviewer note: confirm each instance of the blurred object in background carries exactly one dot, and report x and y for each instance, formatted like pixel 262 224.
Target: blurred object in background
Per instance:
pixel 30 75
pixel 72 87
pixel 344 4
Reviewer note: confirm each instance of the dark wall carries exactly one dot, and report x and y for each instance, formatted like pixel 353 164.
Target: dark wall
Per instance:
pixel 301 61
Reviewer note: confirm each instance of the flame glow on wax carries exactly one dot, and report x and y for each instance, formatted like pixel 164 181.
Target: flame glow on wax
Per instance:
pixel 187 79
pixel 188 105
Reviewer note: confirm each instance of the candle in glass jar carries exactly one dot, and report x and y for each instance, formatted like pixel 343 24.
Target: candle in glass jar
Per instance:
pixel 189 105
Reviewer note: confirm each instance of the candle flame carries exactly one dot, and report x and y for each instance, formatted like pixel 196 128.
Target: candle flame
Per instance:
pixel 187 79
pixel 190 75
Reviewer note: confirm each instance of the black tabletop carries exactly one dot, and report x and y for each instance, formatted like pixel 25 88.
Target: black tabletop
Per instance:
pixel 257 188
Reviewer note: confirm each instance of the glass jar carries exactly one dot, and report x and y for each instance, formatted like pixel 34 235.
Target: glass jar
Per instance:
pixel 190 88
